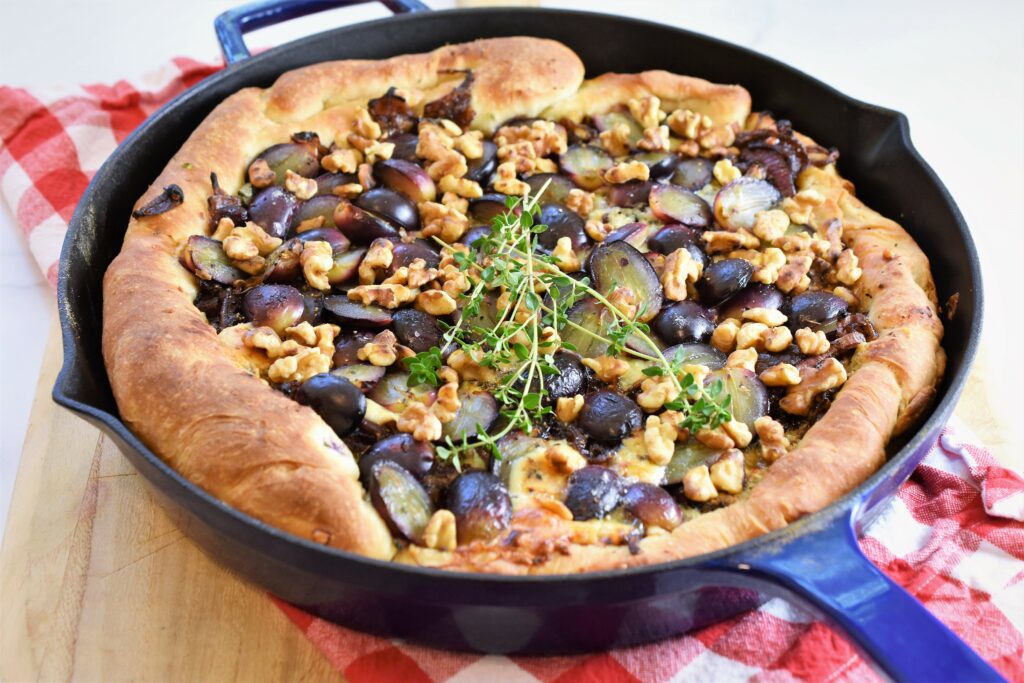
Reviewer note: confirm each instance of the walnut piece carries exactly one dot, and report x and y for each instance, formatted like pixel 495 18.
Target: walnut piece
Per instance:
pixel 848 269
pixel 567 408
pixel 506 181
pixel 625 171
pixel 260 174
pixel 742 358
pixel 342 161
pixel 724 171
pixel 770 225
pixel 770 317
pixel 468 366
pixel 382 351
pixel 418 420
pixel 659 439
pixel 830 375
pixel 435 302
pixel 303 188
pixel 387 296
pixel 655 392
pixel 607 368
pixel 697 484
pixel 724 336
pixel 317 259
pixel 680 268
pixel 615 140
pixel 772 435
pixel 443 221
pixel 646 110
pixel 781 375
pixel 727 472
pixel 811 343
pixel 440 533
pixel 580 201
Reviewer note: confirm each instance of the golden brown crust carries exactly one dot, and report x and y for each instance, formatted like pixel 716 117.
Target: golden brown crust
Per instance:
pixel 180 391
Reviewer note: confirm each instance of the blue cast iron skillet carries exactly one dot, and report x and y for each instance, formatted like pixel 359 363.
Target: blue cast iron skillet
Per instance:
pixel 814 562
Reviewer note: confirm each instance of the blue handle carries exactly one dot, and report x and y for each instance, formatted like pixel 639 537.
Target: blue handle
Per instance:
pixel 826 572
pixel 233 24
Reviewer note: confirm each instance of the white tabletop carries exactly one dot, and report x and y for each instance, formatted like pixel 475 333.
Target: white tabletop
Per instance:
pixel 956 69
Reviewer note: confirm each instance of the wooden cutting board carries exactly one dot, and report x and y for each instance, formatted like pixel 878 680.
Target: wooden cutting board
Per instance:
pixel 97 584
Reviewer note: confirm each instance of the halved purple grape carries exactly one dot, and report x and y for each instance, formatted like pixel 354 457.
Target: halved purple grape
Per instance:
pixel 612 119
pixel 339 243
pixel 347 313
pixel 474 234
pixel 391 205
pixel 273 209
pixel 632 193
pixel 361 226
pixel 335 399
pixel 676 236
pixel 393 392
pixel 661 164
pixel 476 414
pixel 609 417
pixel 327 182
pixel 346 347
pixel 678 205
pixel 206 259
pixel 346 266
pixel 363 375
pixel 418 330
pixel 405 146
pixel 479 170
pixel 312 306
pixel 634 234
pixel 815 309
pixel 585 165
pixel 687 455
pixel 415 457
pixel 561 222
pixel 481 505
pixel 619 264
pixel 692 174
pixel 776 167
pixel 723 279
pixel 400 500
pixel 315 207
pixel 405 253
pixel 283 264
pixel 289 156
pixel 590 315
pixel 275 306
pixel 738 203
pixel 652 505
pixel 694 353
pixel 406 177
pixel 558 187
pixel 684 321
pixel 754 295
pixel 484 209
pixel 749 395
pixel 570 379
pixel 593 492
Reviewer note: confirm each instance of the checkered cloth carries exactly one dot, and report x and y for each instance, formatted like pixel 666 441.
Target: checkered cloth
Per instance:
pixel 953 536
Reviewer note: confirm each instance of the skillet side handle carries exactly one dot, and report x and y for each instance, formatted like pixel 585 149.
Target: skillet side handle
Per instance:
pixel 826 571
pixel 233 24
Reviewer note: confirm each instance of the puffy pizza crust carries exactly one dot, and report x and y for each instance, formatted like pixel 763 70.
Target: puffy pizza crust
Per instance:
pixel 181 392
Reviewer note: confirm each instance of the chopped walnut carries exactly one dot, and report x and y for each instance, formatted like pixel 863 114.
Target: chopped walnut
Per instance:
pixel 688 124
pixel 771 225
pixel 299 367
pixel 680 268
pixel 455 281
pixel 699 372
pixel 247 246
pixel 800 206
pixel 363 124
pixel 468 366
pixel 462 187
pixel 655 392
pixel 777 339
pixel 436 302
pixel 387 296
pixel 767 266
pixel 342 161
pixel 447 403
pixel 655 139
pixel 506 181
pixel 528 145
pixel 348 190
pixel 724 172
pixel 742 358
pixel 830 375
pixel 443 221
pixel 382 351
pixel 719 241
pixel 455 202
pixel 727 472
pixel 418 420
pixel 781 375
pixel 625 171
pixel 549 340
pixel 659 439
pixel 562 458
pixel 224 227
pixel 260 174
pixel 580 201
pixel 738 432
pixel 717 438
pixel 750 336
pixel 470 144
pixel 264 338
pixel 607 368
pixel 697 484
pixel 416 274
pixel 317 259
pixel 625 300
pixel 615 140
pixel 567 408
pixel 793 277
pixel 378 151
pixel 772 435
pixel 646 110
pixel 772 317
pixel 848 268
pixel 440 532
pixel 453 164
pixel 718 138
pixel 303 188
pixel 379 257
pixel 724 336
pixel 597 230
pixel 811 343
pixel 554 506
pixel 564 255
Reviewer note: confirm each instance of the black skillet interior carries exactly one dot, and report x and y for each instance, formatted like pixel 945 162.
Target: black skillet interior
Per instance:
pixel 626 607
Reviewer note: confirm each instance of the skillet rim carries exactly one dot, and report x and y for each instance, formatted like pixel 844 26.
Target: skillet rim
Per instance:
pixel 860 498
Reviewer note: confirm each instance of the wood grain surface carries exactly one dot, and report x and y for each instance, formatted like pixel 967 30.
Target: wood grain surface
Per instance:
pixel 97 584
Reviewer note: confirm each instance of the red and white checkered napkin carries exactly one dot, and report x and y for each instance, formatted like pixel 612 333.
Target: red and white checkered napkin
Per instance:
pixel 953 537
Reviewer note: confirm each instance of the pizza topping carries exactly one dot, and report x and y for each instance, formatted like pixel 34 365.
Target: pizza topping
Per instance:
pixel 813 381
pixel 171 197
pixel 456 105
pixel 481 506
pixel 811 343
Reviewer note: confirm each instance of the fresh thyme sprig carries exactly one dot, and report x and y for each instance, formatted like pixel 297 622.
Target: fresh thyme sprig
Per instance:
pixel 513 341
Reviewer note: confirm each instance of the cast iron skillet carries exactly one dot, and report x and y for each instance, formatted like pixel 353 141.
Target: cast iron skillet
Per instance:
pixel 816 561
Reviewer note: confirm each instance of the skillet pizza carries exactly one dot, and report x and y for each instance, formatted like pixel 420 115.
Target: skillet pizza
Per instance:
pixel 468 310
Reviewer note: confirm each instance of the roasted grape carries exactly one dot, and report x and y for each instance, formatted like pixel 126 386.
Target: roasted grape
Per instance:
pixel 593 492
pixel 391 205
pixel 723 279
pixel 273 209
pixel 418 330
pixel 685 321
pixel 274 306
pixel 346 347
pixel 619 264
pixel 289 156
pixel 484 209
pixel 661 164
pixel 346 266
pixel 692 174
pixel 339 243
pixel 652 505
pixel 676 236
pixel 687 455
pixel 585 165
pixel 749 396
pixel 675 204
pixel 738 203
pixel 205 257
pixel 405 146
pixel 561 222
pixel 816 310
pixel 347 313
pixel 609 417
pixel 481 505
pixel 613 119
pixel 406 177
pixel 479 170
pixel 570 379
pixel 315 208
pixel 404 253
pixel 754 295
pixel 558 187
pixel 632 193
pixel 415 457
pixel 477 412
pixel 335 399
pixel 695 354
pixel 327 182
pixel 400 500
pixel 361 226
pixel 363 375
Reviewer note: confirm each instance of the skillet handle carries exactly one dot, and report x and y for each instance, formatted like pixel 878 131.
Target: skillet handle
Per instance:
pixel 826 572
pixel 233 24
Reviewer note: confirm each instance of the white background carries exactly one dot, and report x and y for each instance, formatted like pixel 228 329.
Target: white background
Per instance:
pixel 955 68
